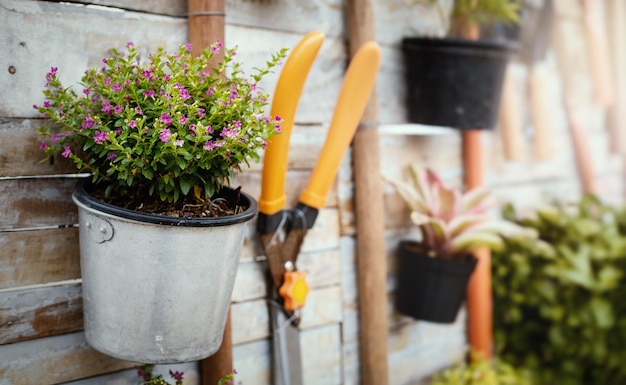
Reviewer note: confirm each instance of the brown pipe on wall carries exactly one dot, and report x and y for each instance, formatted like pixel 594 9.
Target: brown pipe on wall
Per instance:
pixel 206 25
pixel 371 256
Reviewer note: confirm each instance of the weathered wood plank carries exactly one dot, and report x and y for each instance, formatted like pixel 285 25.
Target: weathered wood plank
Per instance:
pixel 320 92
pixel 295 182
pixel 322 268
pixel 191 372
pixel 33 313
pixel 38 256
pixel 253 360
pixel 33 51
pixel 54 360
pixel 39 202
pixel 20 154
pixel 160 7
pixel 323 236
pixel 420 349
pixel 321 15
pixel 251 321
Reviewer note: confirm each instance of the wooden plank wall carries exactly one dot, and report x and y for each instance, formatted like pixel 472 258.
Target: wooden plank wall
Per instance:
pixel 40 298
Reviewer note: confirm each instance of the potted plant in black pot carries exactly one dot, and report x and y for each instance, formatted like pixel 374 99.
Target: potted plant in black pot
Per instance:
pixel 161 230
pixel 433 271
pixel 456 81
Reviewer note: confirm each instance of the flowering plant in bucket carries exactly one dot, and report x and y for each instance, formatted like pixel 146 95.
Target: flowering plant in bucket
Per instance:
pixel 452 223
pixel 167 126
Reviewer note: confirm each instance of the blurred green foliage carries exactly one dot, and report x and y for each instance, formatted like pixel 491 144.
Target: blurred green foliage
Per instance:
pixel 559 301
pixel 481 372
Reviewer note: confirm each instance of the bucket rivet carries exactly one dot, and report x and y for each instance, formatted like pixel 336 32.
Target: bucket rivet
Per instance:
pixel 103 230
pixel 88 224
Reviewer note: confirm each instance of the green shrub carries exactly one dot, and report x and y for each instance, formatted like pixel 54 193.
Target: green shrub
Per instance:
pixel 481 372
pixel 559 307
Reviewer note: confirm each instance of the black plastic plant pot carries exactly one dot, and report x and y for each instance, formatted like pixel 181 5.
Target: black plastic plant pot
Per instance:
pixel 431 289
pixel 454 82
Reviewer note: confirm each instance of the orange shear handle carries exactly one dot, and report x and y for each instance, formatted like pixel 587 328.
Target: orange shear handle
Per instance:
pixel 355 92
pixel 285 102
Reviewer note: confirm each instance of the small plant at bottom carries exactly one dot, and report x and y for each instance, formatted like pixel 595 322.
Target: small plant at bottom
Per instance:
pixel 480 371
pixel 145 372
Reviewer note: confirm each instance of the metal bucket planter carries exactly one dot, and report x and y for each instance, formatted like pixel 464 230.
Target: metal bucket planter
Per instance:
pixel 157 289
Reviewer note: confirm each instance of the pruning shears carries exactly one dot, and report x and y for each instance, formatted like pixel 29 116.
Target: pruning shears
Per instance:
pixel 281 230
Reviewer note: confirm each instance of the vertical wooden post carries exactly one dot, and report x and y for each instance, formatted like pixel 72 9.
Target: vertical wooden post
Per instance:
pixel 371 258
pixel 206 25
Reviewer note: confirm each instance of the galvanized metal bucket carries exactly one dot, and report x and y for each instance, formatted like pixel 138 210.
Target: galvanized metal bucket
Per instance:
pixel 157 289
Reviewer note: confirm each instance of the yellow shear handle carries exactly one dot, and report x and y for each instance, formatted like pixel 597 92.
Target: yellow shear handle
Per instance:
pixel 355 92
pixel 285 102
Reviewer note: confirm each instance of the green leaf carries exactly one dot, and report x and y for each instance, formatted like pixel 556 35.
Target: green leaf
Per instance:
pixel 602 312
pixel 185 185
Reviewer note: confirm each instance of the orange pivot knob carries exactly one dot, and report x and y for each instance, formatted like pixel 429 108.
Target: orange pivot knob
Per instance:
pixel 294 290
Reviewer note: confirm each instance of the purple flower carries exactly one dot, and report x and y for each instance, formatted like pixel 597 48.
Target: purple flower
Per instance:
pixel 229 133
pixel 88 122
pixel 116 87
pixel 107 107
pixel 201 112
pixel 178 376
pixel 107 81
pixel 130 44
pixel 67 151
pixel 43 146
pixel 208 146
pixel 179 143
pixel 132 124
pixel 165 135
pixel 55 137
pixel 46 104
pixel 183 119
pixel 166 119
pixel 100 137
pixel 118 109
pixel 138 111
pixel 210 91
pixel 148 93
pixel 188 46
pixel 86 91
pixel 111 155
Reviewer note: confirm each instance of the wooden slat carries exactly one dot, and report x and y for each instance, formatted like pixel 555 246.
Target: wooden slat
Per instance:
pixel 33 313
pixel 54 360
pixel 162 7
pixel 253 360
pixel 295 182
pixel 322 237
pixel 32 57
pixel 324 15
pixel 250 319
pixel 191 372
pixel 320 15
pixel 26 203
pixel 20 153
pixel 322 268
pixel 32 51
pixel 38 257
